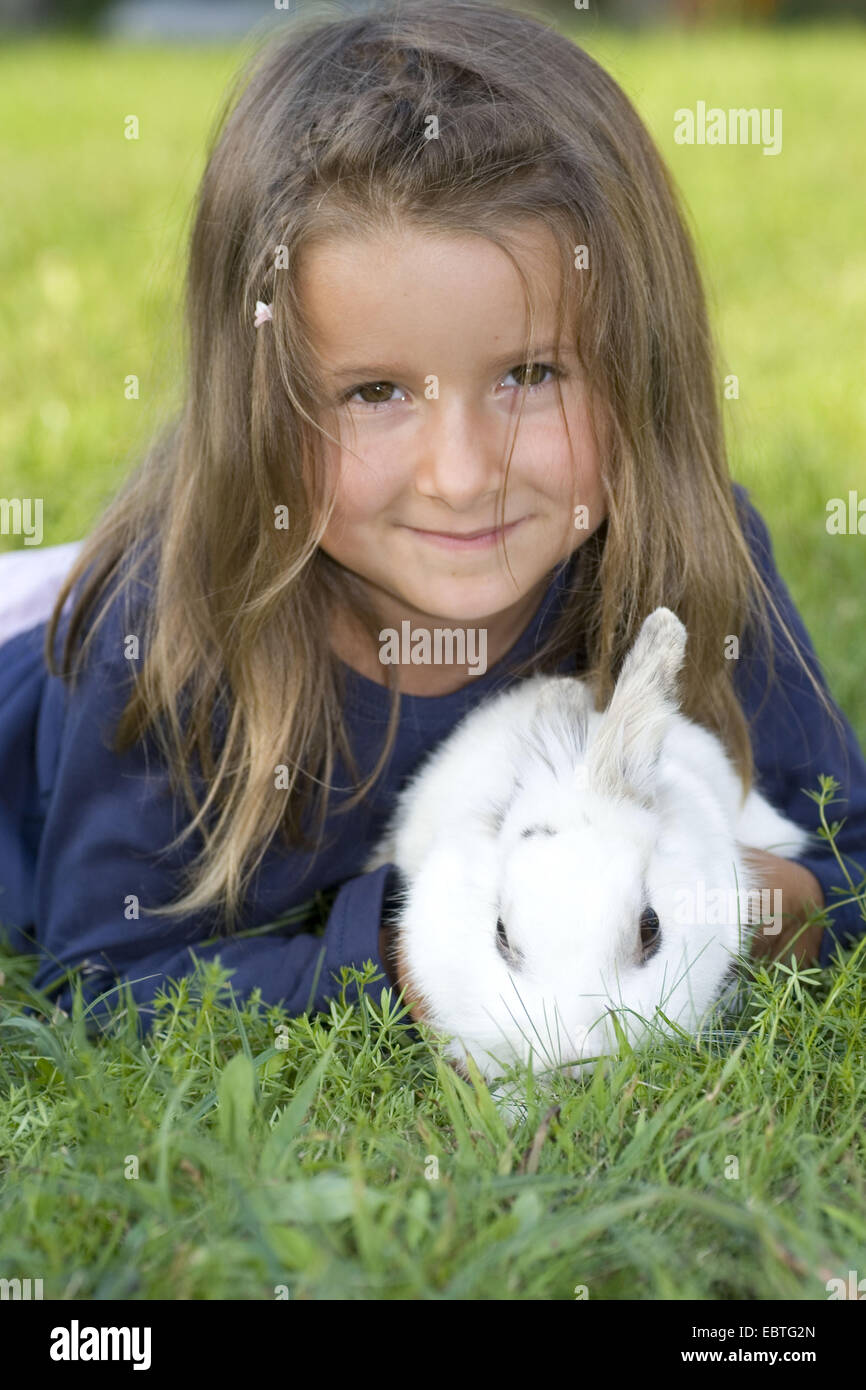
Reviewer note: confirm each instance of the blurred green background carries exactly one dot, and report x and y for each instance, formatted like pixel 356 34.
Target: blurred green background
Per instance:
pixel 92 247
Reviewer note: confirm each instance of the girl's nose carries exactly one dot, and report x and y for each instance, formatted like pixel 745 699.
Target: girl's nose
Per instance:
pixel 461 454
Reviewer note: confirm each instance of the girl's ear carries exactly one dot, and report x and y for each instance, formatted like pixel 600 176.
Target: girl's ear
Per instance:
pixel 623 758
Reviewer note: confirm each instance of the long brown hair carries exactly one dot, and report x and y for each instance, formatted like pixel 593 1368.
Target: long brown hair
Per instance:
pixel 326 133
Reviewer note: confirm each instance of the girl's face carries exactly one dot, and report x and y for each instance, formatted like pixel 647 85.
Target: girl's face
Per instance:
pixel 421 339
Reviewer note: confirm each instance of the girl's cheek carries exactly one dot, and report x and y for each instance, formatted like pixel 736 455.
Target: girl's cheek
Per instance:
pixel 370 480
pixel 375 468
pixel 557 465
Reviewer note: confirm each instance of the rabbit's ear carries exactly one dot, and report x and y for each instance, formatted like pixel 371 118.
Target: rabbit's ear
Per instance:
pixel 624 755
pixel 561 714
pixel 560 697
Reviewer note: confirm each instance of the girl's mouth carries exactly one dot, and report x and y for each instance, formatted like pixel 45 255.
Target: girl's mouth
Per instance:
pixel 468 540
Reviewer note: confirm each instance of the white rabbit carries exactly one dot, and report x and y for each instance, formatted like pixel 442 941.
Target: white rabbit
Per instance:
pixel 561 862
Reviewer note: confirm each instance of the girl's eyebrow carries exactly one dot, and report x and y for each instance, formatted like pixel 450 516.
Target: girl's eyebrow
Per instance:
pixel 381 372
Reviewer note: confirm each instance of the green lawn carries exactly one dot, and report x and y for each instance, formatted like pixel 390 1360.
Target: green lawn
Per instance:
pixel 214 1163
pixel 91 260
pixel 239 1154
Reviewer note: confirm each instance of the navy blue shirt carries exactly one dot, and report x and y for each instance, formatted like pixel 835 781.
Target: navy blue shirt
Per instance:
pixel 82 829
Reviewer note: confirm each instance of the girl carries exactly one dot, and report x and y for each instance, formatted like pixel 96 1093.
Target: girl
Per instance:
pixel 449 370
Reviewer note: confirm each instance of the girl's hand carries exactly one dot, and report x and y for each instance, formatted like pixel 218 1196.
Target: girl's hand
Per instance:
pixel 801 895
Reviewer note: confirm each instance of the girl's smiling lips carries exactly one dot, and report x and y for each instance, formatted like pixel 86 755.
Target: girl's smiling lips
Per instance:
pixel 467 540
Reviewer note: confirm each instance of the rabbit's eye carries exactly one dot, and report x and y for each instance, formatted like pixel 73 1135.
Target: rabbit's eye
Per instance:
pixel 650 933
pixel 510 953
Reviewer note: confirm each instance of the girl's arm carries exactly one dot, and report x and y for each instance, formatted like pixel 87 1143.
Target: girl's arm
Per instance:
pixel 82 836
pixel 794 742
pixel 300 972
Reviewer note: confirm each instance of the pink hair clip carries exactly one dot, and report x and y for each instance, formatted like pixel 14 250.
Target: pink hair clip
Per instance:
pixel 263 313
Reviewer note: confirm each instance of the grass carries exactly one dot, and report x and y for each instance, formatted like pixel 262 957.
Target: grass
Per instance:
pixel 349 1162
pixel 238 1153
pixel 91 270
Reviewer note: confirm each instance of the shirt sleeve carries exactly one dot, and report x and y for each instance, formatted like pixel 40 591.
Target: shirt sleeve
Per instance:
pixel 78 886
pixel 300 972
pixel 794 742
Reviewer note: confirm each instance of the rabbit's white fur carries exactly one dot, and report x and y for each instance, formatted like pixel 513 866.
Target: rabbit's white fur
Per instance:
pixel 644 805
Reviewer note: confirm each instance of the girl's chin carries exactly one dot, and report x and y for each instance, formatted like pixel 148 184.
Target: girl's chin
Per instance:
pixel 476 601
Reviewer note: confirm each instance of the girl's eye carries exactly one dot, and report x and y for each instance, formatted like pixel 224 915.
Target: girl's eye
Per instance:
pixel 530 375
pixel 373 393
